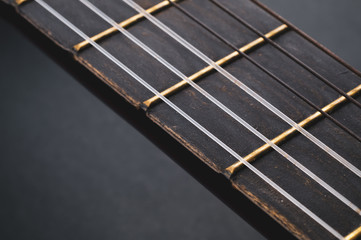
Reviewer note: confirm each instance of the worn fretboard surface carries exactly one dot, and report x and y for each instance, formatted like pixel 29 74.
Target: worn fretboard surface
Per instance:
pixel 272 164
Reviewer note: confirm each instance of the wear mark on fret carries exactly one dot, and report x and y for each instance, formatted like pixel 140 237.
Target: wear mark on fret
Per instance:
pixel 203 72
pixel 124 24
pixel 231 170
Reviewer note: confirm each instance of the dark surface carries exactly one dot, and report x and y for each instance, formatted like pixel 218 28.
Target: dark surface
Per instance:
pixel 80 181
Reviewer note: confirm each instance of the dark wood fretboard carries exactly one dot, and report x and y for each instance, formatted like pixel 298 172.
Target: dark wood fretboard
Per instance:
pixel 242 141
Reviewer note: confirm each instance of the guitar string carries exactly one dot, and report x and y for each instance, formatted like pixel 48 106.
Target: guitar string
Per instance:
pixel 245 88
pixel 139 43
pixel 188 118
pixel 125 23
pixel 307 37
pixel 284 51
pixel 273 76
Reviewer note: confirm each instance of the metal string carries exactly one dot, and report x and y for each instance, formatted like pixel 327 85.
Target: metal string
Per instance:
pixel 305 36
pixel 220 105
pixel 187 117
pixel 287 53
pixel 241 85
pixel 303 98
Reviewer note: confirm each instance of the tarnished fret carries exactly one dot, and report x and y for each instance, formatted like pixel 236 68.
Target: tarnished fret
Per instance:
pixel 354 234
pixel 285 135
pixel 123 24
pixel 246 48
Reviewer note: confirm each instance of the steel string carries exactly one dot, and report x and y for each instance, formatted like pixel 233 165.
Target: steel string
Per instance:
pixel 219 104
pixel 287 53
pixel 241 85
pixel 187 117
pixel 273 76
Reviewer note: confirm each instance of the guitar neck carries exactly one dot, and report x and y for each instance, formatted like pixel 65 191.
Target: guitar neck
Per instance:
pixel 215 120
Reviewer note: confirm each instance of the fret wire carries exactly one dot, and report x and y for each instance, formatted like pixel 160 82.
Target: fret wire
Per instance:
pixel 305 36
pixel 191 120
pixel 273 76
pixel 19 2
pixel 221 106
pixel 126 23
pixel 245 88
pixel 287 53
pixel 201 73
pixel 290 132
pixel 354 234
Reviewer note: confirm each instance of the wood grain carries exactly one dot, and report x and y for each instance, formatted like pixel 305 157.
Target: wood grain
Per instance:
pixel 229 131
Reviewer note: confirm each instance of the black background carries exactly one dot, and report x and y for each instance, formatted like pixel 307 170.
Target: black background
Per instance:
pixel 71 168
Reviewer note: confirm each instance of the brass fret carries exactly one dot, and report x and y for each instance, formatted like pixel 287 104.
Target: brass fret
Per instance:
pixel 206 70
pixel 18 2
pixel 124 24
pixel 280 138
pixel 354 234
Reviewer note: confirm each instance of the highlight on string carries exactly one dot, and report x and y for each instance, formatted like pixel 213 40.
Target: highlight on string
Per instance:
pixel 287 53
pixel 220 105
pixel 266 71
pixel 126 23
pixel 245 88
pixel 191 120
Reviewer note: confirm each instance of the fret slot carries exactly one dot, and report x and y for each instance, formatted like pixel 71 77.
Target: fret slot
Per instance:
pixel 292 131
pixel 196 76
pixel 354 234
pixel 124 24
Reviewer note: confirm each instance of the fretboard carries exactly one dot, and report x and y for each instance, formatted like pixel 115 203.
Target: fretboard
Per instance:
pixel 293 75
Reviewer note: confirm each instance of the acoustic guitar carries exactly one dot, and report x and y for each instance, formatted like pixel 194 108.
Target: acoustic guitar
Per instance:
pixel 242 89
